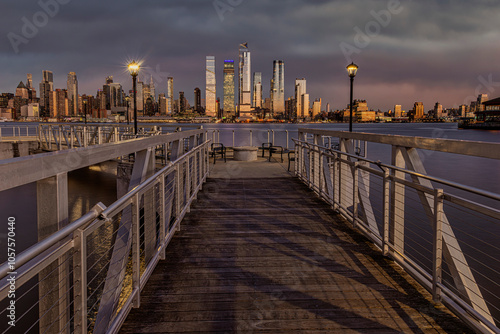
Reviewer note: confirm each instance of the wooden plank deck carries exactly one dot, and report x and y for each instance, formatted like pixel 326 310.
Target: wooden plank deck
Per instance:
pixel 267 256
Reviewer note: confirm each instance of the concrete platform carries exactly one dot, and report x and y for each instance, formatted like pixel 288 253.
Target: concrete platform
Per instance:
pixel 260 168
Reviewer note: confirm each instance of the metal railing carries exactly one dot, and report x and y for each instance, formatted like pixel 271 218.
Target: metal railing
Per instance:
pixel 18 131
pixel 250 137
pixel 443 233
pixel 86 277
pixel 67 136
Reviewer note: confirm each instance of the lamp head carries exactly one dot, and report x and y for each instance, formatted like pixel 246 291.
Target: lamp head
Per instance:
pixel 134 68
pixel 352 69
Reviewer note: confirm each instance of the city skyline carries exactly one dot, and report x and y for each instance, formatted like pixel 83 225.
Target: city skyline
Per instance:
pixel 407 51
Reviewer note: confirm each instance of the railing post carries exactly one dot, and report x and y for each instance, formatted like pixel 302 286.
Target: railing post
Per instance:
pixel 80 286
pixel 178 194
pixel 60 137
pixel 251 138
pixel 136 253
pixel 437 245
pixel 355 194
pixel 162 215
pixel 286 131
pixel 218 136
pixel 233 138
pixel 268 136
pixel 386 206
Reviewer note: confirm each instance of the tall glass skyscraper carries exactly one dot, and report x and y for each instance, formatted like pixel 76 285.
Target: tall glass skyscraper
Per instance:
pixel 278 87
pixel 170 95
pixel 244 87
pixel 210 91
pixel 301 109
pixel 257 90
pixel 229 109
pixel 72 94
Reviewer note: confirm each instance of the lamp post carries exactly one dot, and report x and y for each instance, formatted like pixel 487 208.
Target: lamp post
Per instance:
pixel 133 68
pixel 351 70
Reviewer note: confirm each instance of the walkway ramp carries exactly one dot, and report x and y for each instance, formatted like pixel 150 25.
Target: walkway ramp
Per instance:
pixel 261 254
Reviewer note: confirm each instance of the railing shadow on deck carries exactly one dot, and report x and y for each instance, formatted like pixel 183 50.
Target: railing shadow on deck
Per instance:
pixel 434 234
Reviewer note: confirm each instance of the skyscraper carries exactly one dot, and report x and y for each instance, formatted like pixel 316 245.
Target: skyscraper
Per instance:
pixel 170 95
pixel 72 85
pixel 278 87
pixel 197 100
pixel 210 90
pixel 397 110
pixel 29 81
pixel 244 86
pixel 152 89
pixel 257 90
pixel 229 109
pixel 418 109
pixel 301 109
pixel 46 86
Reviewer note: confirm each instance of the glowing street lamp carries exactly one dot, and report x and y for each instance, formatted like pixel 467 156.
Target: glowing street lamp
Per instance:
pixel 133 68
pixel 352 69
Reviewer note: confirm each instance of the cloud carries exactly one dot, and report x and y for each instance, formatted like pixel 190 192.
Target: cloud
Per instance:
pixel 431 50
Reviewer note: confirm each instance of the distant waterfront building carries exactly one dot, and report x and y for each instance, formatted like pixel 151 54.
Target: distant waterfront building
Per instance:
pixel 197 100
pixel 162 104
pixel 397 110
pixel 278 87
pixel 140 96
pixel 289 108
pixel 58 103
pixel 228 98
pixel 327 108
pixel 418 110
pixel 72 85
pixel 29 81
pixel 316 110
pixel 257 90
pixel 301 108
pixel 182 103
pixel 46 86
pixel 170 95
pixel 152 90
pixel 22 91
pixel 438 110
pixel 480 101
pixel 244 86
pixel 211 85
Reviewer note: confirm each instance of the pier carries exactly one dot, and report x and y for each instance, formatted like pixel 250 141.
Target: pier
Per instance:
pixel 338 243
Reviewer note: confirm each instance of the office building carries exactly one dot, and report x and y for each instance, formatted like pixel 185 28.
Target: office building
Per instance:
pixel 397 110
pixel 277 91
pixel 418 110
pixel 244 85
pixel 228 99
pixel 46 86
pixel 211 86
pixel 301 108
pixel 257 90
pixel 316 110
pixel 197 100
pixel 72 86
pixel 170 95
pixel 438 110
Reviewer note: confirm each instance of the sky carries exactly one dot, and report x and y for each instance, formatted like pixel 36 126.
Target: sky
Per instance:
pixel 429 51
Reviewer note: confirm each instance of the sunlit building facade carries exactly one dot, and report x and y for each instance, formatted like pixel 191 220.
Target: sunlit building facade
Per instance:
pixel 257 90
pixel 210 89
pixel 72 84
pixel 244 86
pixel 170 95
pixel 278 87
pixel 228 102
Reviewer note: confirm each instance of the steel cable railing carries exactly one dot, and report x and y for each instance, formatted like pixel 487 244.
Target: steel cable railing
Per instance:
pixel 446 242
pixel 82 294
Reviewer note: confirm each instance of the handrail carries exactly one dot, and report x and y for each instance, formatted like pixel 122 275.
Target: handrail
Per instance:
pixel 460 186
pixel 376 204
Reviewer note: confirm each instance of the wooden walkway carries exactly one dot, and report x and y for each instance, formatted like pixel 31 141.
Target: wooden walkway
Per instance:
pixel 267 256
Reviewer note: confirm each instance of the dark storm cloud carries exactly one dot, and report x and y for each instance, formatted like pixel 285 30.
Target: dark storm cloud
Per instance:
pixel 428 50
